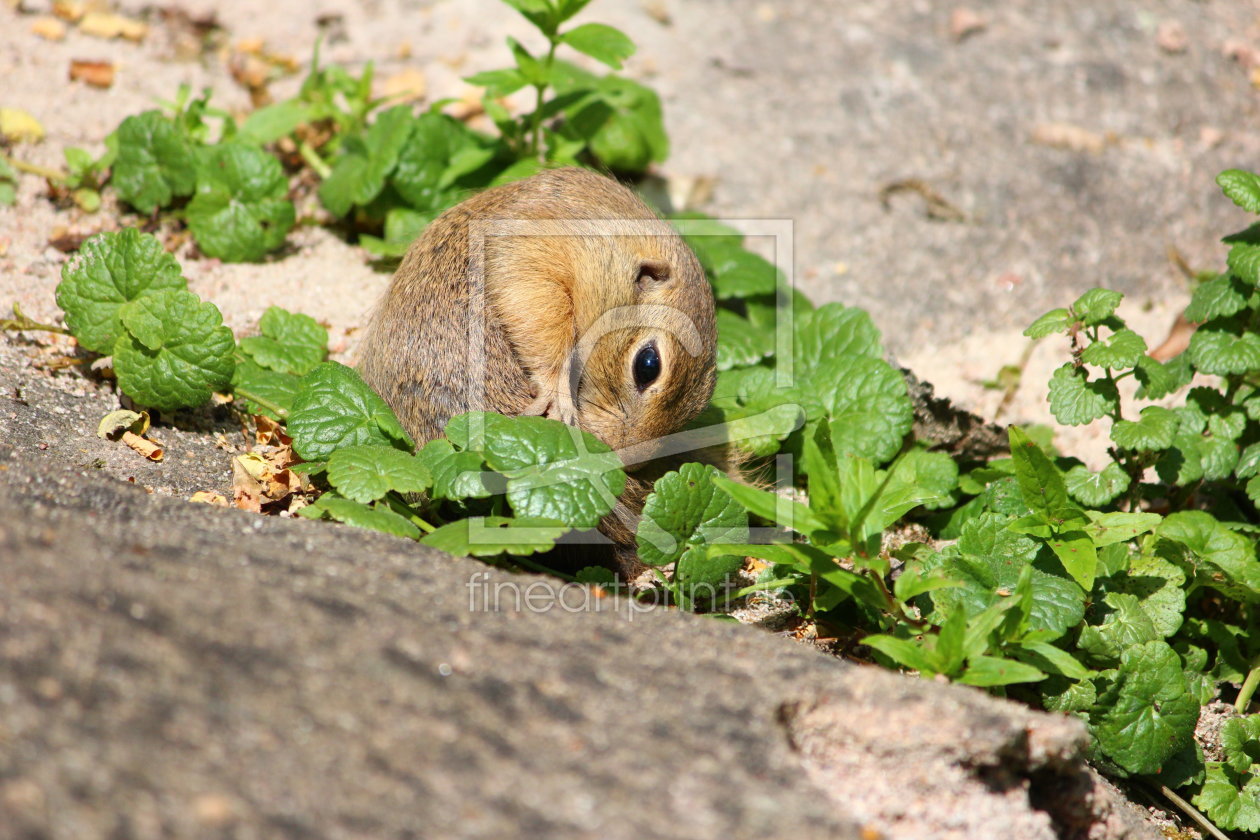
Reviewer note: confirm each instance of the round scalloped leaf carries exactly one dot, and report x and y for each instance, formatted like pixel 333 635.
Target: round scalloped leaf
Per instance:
pixel 1096 305
pixel 1222 352
pixel 554 471
pixel 1153 714
pixel 110 270
pixel 1231 799
pixel 175 352
pixel 358 176
pixel 240 211
pixel 1075 400
pixel 1219 297
pixel 290 342
pixel 1243 188
pixel 1152 432
pixel 155 162
pixel 1095 489
pixel 335 408
pixel 456 475
pixel 366 473
pixel 1121 350
pixel 868 404
pixel 834 330
pixel 1054 321
pixel 686 509
pixel 739 343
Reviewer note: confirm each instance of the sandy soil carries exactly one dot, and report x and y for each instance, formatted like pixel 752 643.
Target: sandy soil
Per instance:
pixel 956 323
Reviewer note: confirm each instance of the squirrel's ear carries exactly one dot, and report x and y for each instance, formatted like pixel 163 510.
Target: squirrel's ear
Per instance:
pixel 652 272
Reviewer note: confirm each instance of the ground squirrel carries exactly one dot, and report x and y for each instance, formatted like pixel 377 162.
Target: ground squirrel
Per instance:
pixel 589 308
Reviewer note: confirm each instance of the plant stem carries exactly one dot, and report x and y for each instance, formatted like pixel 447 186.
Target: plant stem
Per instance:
pixel 1248 688
pixel 21 323
pixel 32 169
pixel 313 160
pixel 282 413
pixel 535 147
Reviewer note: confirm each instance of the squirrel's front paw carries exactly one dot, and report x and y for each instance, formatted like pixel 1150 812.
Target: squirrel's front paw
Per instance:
pixel 552 405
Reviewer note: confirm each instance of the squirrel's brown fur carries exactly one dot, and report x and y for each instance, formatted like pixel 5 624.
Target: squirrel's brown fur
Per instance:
pixel 563 277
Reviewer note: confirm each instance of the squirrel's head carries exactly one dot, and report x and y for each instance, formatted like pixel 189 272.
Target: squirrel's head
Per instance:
pixel 644 359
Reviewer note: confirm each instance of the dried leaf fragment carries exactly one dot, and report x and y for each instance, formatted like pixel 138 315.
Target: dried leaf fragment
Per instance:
pixel 111 25
pixel 207 497
pixel 49 28
pixel 964 22
pixel 18 126
pixel 1072 137
pixel 95 73
pixel 112 425
pixel 1171 37
pixel 407 86
pixel 144 446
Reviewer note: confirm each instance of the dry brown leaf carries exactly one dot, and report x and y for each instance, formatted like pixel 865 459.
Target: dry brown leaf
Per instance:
pixel 1178 340
pixel 18 126
pixel 207 497
pixel 71 10
pixel 49 28
pixel 407 86
pixel 95 73
pixel 657 11
pixel 246 489
pixel 1171 37
pixel 112 25
pixel 66 240
pixel 1068 136
pixel 112 425
pixel 268 432
pixel 144 446
pixel 964 22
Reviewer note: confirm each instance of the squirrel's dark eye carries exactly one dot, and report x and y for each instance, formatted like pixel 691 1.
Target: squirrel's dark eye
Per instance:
pixel 647 366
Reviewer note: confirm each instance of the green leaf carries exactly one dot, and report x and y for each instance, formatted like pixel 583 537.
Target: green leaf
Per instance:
pixel 359 515
pixel 554 471
pixel 867 402
pixel 489 536
pixel 1062 695
pixel 1244 255
pixel 686 509
pixel 739 343
pixel 1075 400
pixel 272 122
pixel 702 575
pixel 1121 350
pixel 175 351
pixel 1223 559
pixel 1054 321
pixel 290 343
pixel 906 653
pixel 359 174
pixel 988 560
pixel 155 162
pixel 499 83
pixel 1095 489
pixel 1125 625
pixel 1096 306
pixel 1243 188
pixel 1240 738
pixel 621 123
pixel 1152 433
pixel 738 273
pixel 1153 714
pixel 456 475
pixel 1249 462
pixel 1219 350
pixel 279 389
pixel 987 671
pixel 1107 528
pixel 835 330
pixel 334 409
pixel 772 507
pixel 1040 482
pixel 421 175
pixel 1158 380
pixel 367 473
pixel 1219 297
pixel 1076 551
pixel 240 211
pixel 110 270
pixel 600 42
pixel 1231 799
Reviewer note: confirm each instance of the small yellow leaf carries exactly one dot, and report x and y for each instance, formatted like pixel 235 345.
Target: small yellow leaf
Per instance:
pixel 18 126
